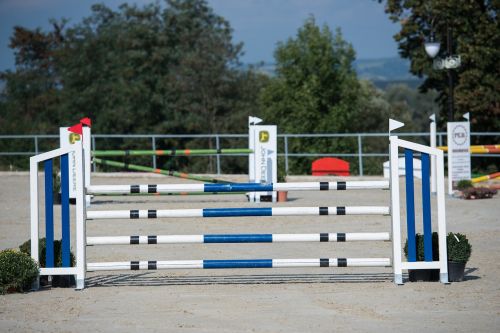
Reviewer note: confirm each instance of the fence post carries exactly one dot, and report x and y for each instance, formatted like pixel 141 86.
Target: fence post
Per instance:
pixel 36 145
pixel 286 154
pixel 360 155
pixel 94 166
pixel 217 146
pixel 153 145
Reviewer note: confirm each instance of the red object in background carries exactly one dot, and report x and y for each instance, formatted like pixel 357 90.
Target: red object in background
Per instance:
pixel 86 121
pixel 330 166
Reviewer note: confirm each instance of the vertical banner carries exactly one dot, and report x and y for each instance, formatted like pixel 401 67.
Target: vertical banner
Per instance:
pixel 458 153
pixel 68 139
pixel 263 167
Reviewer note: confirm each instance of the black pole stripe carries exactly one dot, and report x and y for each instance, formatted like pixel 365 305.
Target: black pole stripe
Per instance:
pixel 127 152
pixel 341 186
pixel 324 186
pixel 341 262
pixel 125 165
pixel 323 210
pixel 135 189
pixel 324 262
pixel 134 214
pixel 151 213
pixel 340 237
pixel 219 151
pixel 134 239
pixel 152 264
pixel 340 210
pixel 170 172
pixel 173 151
pixel 152 240
pixel 152 189
pixel 134 265
pixel 323 237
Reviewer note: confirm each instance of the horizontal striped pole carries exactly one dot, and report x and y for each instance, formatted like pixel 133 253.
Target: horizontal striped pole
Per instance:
pixel 237 187
pixel 485 149
pixel 245 263
pixel 164 193
pixel 485 178
pixel 171 152
pixel 238 238
pixel 233 212
pixel 158 171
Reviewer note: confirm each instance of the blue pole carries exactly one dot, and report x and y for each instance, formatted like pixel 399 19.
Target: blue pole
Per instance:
pixel 410 206
pixel 426 207
pixel 49 215
pixel 65 218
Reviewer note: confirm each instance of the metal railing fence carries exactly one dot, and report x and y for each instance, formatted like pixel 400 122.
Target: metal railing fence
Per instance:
pixel 52 141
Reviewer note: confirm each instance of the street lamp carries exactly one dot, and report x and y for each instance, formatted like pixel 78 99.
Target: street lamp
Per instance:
pixel 450 62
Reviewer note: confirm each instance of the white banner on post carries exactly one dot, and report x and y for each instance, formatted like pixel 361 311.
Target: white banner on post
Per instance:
pixel 263 162
pixel 458 153
pixel 67 139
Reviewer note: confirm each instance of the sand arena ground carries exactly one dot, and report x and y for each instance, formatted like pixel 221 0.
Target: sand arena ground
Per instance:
pixel 265 300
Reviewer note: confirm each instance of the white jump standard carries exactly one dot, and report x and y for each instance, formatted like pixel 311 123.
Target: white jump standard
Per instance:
pixel 395 236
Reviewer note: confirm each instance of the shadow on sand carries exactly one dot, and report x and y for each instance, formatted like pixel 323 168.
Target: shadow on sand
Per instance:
pixel 151 279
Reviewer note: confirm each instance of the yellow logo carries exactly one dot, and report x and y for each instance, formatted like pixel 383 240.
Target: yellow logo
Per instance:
pixel 263 136
pixel 73 137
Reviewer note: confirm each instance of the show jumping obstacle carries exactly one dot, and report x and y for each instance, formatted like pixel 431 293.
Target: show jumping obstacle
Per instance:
pixel 82 215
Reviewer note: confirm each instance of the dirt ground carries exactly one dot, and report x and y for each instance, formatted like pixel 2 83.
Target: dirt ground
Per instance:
pixel 251 300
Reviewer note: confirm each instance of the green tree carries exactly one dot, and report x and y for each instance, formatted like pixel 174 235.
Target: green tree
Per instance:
pixel 475 32
pixel 314 91
pixel 161 68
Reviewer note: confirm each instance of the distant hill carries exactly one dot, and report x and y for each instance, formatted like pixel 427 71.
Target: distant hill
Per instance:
pixel 382 72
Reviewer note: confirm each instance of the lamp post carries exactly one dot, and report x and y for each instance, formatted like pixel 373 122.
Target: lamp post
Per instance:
pixel 450 62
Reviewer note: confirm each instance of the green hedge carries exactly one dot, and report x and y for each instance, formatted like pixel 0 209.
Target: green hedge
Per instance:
pixel 17 271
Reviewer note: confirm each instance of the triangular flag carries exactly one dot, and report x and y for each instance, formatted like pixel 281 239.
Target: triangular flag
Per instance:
pixel 467 116
pixel 86 121
pixel 394 124
pixel 254 120
pixel 433 117
pixel 76 129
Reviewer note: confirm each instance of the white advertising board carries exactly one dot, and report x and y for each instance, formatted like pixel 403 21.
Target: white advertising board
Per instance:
pixel 67 139
pixel 458 153
pixel 263 166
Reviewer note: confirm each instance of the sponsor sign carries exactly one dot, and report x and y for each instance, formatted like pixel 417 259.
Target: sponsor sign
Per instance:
pixel 458 153
pixel 66 140
pixel 263 162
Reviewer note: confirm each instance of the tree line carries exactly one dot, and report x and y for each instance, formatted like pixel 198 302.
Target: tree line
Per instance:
pixel 174 68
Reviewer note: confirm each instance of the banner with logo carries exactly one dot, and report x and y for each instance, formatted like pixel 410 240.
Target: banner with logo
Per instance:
pixel 263 167
pixel 458 153
pixel 66 140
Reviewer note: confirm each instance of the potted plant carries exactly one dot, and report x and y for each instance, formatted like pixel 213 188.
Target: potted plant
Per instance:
pixel 459 251
pixel 424 274
pixel 57 280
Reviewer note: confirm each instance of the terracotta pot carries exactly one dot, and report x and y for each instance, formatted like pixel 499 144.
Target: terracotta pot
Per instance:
pixel 282 196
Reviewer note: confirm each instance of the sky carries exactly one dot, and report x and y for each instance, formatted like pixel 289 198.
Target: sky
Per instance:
pixel 259 24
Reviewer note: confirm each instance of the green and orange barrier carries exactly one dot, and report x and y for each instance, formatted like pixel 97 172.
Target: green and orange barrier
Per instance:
pixel 159 171
pixel 486 178
pixel 171 152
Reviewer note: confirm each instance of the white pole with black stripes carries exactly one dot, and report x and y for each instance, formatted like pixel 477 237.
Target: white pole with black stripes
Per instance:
pixel 237 238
